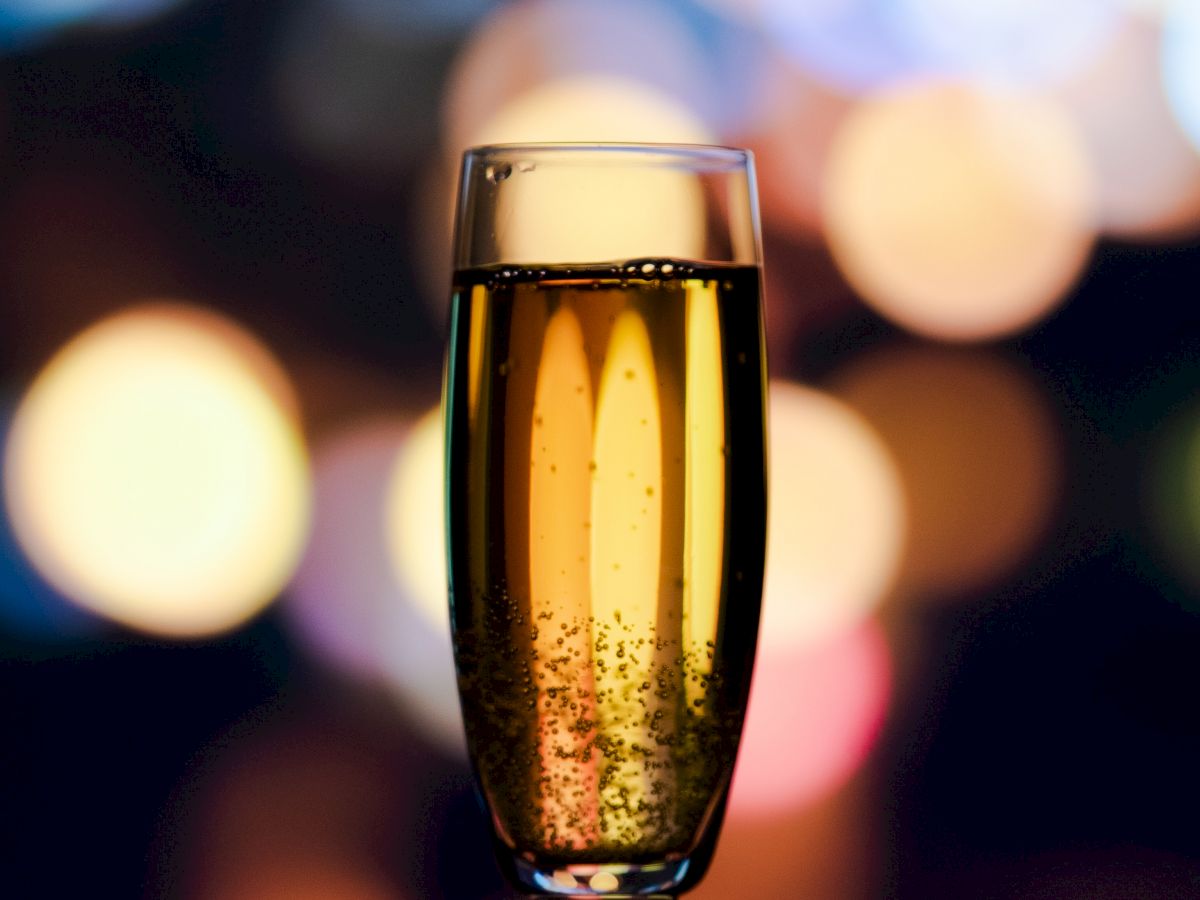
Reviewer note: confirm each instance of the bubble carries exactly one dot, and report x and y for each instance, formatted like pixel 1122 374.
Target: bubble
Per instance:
pixel 496 174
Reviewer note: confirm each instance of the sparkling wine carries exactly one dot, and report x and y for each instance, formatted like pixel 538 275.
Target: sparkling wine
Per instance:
pixel 606 507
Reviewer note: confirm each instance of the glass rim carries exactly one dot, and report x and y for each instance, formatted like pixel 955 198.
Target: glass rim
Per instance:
pixel 705 156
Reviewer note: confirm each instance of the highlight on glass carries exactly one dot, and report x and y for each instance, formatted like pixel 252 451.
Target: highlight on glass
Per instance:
pixel 606 502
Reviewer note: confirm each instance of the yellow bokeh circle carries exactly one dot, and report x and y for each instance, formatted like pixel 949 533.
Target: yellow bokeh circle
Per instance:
pixel 415 521
pixel 837 519
pixel 959 213
pixel 156 474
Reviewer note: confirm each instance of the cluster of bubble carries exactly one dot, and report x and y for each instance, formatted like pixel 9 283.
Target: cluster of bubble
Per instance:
pixel 619 760
pixel 638 270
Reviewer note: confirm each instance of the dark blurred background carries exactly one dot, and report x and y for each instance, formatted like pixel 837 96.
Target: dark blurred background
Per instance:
pixel 224 660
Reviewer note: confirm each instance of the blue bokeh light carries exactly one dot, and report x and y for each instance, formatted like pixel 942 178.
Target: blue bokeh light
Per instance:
pixel 1023 42
pixel 862 45
pixel 1181 66
pixel 852 45
pixel 27 22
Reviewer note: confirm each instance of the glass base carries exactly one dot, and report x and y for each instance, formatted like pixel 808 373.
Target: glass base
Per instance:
pixel 607 880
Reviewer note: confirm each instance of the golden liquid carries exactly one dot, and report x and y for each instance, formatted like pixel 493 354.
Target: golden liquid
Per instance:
pixel 606 529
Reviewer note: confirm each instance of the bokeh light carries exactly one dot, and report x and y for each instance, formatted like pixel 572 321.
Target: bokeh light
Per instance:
pixel 414 533
pixel 747 12
pixel 823 849
pixel 29 606
pixel 415 520
pixel 1172 496
pixel 26 21
pixel 529 44
pixel 350 602
pixel 979 453
pixel 534 204
pixel 295 808
pixel 1152 10
pixel 791 131
pixel 1019 42
pixel 982 595
pixel 837 519
pixel 591 108
pixel 155 472
pixel 539 70
pixel 958 213
pixel 865 45
pixel 1147 173
pixel 1181 65
pixel 587 108
pixel 852 45
pixel 597 198
pixel 345 595
pixel 300 879
pixel 814 716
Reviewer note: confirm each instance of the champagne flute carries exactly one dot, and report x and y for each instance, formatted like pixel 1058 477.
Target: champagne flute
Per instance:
pixel 606 497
